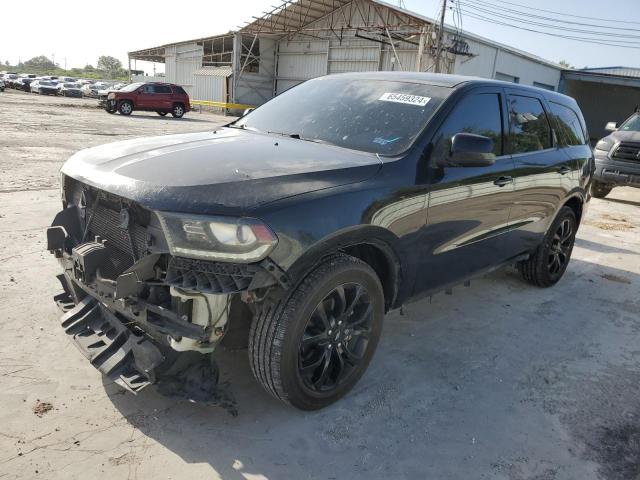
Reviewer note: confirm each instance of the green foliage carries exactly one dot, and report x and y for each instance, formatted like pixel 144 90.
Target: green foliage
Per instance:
pixel 39 62
pixel 41 65
pixel 111 65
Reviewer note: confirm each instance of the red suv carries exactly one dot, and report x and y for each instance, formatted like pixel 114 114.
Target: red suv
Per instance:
pixel 162 98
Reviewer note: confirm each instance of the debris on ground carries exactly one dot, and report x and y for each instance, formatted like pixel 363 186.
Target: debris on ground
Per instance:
pixel 616 278
pixel 40 408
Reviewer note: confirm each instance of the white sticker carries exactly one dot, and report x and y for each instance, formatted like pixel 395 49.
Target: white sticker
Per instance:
pixel 404 98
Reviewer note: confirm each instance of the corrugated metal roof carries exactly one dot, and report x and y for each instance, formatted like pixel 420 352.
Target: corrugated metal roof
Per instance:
pixel 292 15
pixel 214 71
pixel 620 71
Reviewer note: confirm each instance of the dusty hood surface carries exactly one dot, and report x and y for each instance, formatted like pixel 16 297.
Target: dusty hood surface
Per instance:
pixel 622 136
pixel 213 171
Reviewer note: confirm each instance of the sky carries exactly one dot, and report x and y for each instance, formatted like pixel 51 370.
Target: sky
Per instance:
pixel 76 37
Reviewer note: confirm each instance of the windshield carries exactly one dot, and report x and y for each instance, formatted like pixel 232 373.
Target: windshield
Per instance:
pixel 632 124
pixel 131 87
pixel 70 85
pixel 375 116
pixel 45 83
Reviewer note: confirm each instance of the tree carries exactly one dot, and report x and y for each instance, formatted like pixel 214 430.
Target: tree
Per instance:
pixel 89 68
pixel 40 62
pixel 564 64
pixel 111 65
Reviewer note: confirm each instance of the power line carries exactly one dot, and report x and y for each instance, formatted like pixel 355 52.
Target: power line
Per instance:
pixel 622 36
pixel 502 8
pixel 571 14
pixel 569 37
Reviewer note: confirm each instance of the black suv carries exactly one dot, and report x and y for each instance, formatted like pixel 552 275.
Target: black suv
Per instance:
pixel 309 218
pixel 618 157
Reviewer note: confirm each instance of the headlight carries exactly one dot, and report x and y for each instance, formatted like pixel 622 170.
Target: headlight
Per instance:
pixel 604 145
pixel 227 239
pixel 111 96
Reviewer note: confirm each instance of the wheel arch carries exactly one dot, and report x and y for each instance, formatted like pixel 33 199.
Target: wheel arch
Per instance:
pixel 576 202
pixel 375 246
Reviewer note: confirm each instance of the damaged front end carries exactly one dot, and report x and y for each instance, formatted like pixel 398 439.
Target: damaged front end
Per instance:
pixel 141 286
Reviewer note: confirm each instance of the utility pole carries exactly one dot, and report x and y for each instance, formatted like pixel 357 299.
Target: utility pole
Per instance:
pixel 440 39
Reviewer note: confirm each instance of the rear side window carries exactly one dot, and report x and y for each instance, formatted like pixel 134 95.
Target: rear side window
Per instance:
pixel 569 126
pixel 529 125
pixel 162 89
pixel 179 90
pixel 479 114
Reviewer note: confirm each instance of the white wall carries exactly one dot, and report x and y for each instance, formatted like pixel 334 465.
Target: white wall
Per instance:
pixel 489 59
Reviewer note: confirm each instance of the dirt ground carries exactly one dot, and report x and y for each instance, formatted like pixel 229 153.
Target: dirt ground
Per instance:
pixel 499 381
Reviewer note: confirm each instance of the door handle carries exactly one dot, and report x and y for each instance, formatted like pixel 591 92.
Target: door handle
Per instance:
pixel 564 170
pixel 502 181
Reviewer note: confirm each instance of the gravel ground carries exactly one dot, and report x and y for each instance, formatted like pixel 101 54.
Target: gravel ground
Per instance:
pixel 499 381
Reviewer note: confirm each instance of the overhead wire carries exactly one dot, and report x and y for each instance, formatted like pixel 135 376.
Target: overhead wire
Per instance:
pixel 478 9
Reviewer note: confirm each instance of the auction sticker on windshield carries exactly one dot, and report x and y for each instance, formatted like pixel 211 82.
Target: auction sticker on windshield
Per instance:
pixel 405 98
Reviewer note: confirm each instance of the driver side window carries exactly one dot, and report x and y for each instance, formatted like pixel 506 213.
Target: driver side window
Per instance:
pixel 479 114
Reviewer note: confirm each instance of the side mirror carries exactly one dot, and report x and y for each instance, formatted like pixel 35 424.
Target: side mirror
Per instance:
pixel 141 90
pixel 611 126
pixel 471 150
pixel 247 111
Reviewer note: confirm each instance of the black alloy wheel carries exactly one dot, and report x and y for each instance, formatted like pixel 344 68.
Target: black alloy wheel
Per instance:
pixel 549 261
pixel 560 248
pixel 335 338
pixel 310 345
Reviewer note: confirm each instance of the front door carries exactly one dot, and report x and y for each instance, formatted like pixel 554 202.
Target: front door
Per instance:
pixel 468 207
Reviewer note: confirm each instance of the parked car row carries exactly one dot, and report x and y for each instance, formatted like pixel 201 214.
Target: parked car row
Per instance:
pixel 57 85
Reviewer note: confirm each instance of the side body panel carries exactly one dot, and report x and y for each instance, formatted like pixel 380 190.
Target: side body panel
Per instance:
pixel 543 181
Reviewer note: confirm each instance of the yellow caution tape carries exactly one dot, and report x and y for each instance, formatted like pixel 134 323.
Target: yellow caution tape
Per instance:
pixel 235 106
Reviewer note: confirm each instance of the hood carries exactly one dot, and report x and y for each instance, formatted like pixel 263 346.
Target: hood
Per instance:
pixel 215 172
pixel 625 136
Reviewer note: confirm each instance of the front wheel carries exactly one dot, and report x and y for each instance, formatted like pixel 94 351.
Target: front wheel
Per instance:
pixel 178 110
pixel 599 189
pixel 312 345
pixel 550 260
pixel 125 107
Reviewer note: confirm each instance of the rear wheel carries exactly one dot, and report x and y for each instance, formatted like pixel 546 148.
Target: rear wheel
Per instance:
pixel 310 347
pixel 599 189
pixel 178 110
pixel 162 114
pixel 125 107
pixel 549 262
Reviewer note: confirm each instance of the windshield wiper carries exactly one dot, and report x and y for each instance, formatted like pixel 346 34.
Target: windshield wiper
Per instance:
pixel 298 137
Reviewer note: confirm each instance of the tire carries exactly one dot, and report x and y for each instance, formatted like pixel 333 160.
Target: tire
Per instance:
pixel 162 114
pixel 600 190
pixel 336 353
pixel 125 107
pixel 550 260
pixel 178 110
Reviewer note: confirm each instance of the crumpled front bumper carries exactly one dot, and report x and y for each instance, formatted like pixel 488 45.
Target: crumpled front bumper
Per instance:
pixel 125 357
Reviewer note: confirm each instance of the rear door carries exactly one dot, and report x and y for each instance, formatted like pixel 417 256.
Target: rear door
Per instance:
pixel 163 97
pixel 543 172
pixel 572 134
pixel 468 207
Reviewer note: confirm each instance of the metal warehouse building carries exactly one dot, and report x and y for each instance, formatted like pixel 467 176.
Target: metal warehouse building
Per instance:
pixel 606 94
pixel 303 39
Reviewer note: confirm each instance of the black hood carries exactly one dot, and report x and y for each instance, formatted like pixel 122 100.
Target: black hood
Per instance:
pixel 214 172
